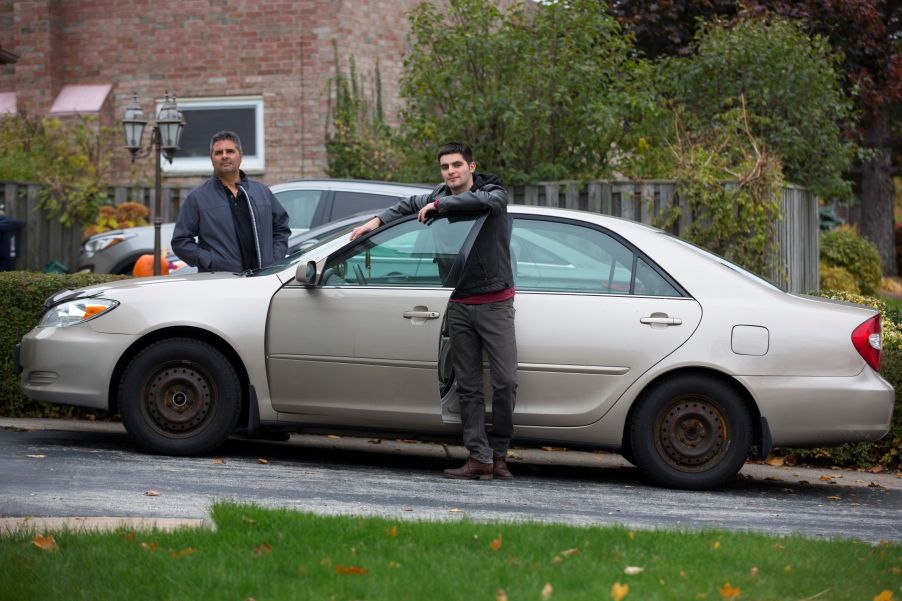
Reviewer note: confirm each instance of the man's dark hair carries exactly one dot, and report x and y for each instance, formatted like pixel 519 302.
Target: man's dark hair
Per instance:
pixel 226 135
pixel 453 148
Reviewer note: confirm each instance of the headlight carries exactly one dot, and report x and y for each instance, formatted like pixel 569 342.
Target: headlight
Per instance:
pixel 76 311
pixel 104 241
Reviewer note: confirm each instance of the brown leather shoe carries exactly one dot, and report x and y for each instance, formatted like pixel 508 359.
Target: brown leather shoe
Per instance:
pixel 499 469
pixel 471 470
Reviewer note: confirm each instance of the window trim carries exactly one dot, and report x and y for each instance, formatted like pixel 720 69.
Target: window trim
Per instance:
pixel 255 164
pixel 637 254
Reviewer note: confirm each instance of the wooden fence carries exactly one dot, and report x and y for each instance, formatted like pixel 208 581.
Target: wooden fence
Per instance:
pixel 797 233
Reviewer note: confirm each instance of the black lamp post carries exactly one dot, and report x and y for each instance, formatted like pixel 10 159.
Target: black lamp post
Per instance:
pixel 164 141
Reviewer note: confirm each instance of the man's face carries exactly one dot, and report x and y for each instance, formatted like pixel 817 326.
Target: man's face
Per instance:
pixel 457 173
pixel 226 158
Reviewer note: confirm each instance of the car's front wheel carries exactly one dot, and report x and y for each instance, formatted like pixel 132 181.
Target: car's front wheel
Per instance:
pixel 692 432
pixel 180 396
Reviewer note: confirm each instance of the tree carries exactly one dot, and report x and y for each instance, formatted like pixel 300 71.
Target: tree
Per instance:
pixel 796 104
pixel 541 94
pixel 359 143
pixel 70 159
pixel 866 33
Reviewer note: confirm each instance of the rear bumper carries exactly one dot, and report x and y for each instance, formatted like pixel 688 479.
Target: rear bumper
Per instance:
pixel 70 366
pixel 815 411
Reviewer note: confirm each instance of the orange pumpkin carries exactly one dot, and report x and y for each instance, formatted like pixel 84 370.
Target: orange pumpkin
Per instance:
pixel 144 266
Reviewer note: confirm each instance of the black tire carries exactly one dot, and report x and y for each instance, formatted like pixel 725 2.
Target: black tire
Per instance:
pixel 691 432
pixel 180 396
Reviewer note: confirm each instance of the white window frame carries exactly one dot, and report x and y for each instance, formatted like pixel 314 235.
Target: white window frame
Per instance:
pixel 202 165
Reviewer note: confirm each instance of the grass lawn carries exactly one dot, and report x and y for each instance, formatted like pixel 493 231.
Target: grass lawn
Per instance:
pixel 266 554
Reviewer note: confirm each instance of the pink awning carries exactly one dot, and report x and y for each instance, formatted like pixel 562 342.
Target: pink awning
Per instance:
pixel 80 99
pixel 7 102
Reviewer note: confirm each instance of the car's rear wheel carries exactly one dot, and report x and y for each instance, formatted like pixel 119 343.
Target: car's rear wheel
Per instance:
pixel 692 432
pixel 180 396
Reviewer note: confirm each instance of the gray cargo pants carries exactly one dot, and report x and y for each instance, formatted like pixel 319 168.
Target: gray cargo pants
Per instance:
pixel 472 328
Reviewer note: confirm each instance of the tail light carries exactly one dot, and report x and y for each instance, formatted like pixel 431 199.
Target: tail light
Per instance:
pixel 868 341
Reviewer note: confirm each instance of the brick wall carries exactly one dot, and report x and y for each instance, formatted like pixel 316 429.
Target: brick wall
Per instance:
pixel 278 49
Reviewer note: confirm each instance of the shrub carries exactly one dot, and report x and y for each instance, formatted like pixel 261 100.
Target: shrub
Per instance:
pixel 837 278
pixel 23 294
pixel 109 217
pixel 844 248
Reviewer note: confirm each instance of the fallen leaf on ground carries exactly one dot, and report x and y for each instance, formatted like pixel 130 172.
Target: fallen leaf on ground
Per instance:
pixel 248 520
pixel 219 461
pixel 152 546
pixel 554 448
pixel 151 493
pixel 897 571
pixel 874 485
pixel 827 478
pixel 684 575
pixel 876 469
pixel 36 456
pixel 182 553
pixel 44 543
pixel 333 437
pixel 455 510
pixel 788 568
pixel 569 552
pixel 631 534
pixel 496 543
pixel 899 475
pixel 715 545
pixel 129 536
pixel 351 570
pixel 633 570
pixel 262 549
pixel 835 498
pixel 727 591
pixel 262 461
pixel 778 546
pixel 547 591
pixel 393 531
pixel 885 595
pixel 774 461
pixel 619 591
pixel 512 455
pixel 754 572
pixel 500 595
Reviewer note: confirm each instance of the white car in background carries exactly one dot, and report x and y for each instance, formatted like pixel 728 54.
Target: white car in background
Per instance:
pixel 629 340
pixel 309 203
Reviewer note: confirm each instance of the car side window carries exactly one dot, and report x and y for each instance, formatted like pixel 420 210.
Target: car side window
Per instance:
pixel 564 257
pixel 349 203
pixel 300 206
pixel 407 254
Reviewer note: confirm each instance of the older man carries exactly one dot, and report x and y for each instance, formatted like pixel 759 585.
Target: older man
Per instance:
pixel 229 222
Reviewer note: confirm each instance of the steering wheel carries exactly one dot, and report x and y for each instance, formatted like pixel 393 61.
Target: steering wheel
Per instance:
pixel 358 272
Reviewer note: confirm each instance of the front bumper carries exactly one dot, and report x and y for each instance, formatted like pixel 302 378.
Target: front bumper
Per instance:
pixel 70 366
pixel 824 411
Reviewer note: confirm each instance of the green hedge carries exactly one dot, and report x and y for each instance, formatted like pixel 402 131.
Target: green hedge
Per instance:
pixel 23 294
pixel 845 248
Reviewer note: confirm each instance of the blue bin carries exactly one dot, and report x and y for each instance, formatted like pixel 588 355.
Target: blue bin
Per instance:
pixel 11 236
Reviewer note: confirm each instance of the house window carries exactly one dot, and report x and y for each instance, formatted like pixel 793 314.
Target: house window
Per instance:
pixel 206 116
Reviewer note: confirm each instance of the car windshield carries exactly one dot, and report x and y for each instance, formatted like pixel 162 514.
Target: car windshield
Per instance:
pixel 295 257
pixel 741 270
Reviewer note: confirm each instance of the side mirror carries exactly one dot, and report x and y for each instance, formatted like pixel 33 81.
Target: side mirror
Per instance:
pixel 306 274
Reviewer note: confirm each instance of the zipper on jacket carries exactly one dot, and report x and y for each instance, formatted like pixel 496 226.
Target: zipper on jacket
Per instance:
pixel 250 208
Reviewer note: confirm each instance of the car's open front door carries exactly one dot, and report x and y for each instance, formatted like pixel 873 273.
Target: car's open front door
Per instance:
pixel 362 345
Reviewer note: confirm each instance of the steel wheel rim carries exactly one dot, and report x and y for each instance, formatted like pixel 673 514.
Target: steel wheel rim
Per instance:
pixel 691 434
pixel 177 399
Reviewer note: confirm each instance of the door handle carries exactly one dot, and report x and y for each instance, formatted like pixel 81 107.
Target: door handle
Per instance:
pixel 659 320
pixel 420 314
